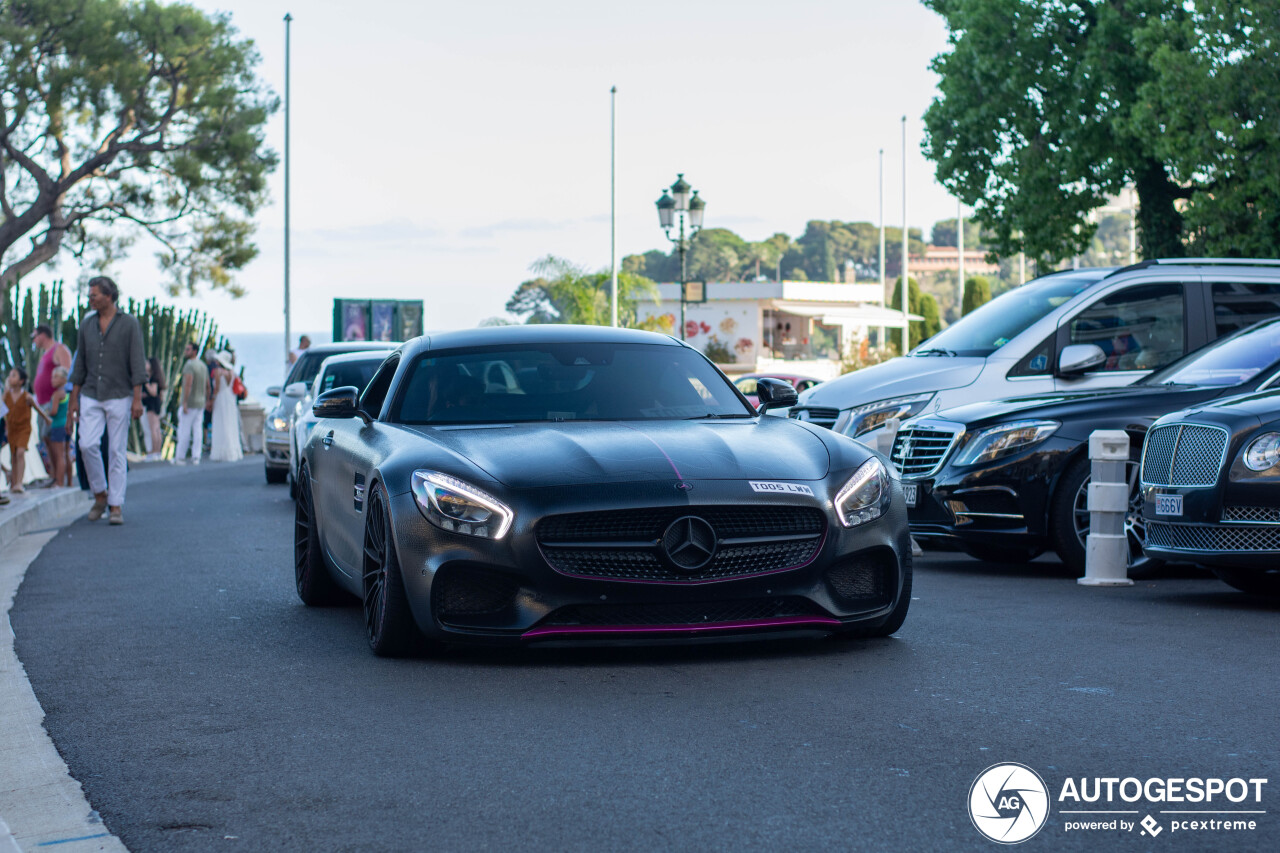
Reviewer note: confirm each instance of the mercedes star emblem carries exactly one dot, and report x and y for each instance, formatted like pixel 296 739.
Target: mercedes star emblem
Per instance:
pixel 689 543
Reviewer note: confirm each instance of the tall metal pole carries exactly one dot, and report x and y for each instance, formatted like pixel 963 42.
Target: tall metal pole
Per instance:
pixel 613 218
pixel 288 332
pixel 960 251
pixel 906 326
pixel 1133 227
pixel 680 247
pixel 882 223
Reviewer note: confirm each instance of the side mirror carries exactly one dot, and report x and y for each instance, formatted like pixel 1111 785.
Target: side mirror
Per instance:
pixel 341 402
pixel 1078 358
pixel 296 389
pixel 775 394
pixel 273 391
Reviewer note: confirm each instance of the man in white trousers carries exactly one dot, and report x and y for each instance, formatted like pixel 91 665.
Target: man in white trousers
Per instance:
pixel 195 387
pixel 106 394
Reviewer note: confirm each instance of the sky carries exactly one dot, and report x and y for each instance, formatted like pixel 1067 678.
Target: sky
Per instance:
pixel 439 149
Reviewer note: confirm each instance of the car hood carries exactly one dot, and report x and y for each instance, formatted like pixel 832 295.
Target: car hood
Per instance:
pixel 559 454
pixel 1257 408
pixel 897 377
pixel 1143 401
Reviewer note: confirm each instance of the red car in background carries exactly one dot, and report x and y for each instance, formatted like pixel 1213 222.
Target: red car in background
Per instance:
pixel 747 385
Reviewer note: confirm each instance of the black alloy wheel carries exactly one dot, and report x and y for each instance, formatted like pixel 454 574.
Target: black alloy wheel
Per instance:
pixel 1069 519
pixel 316 586
pixel 387 618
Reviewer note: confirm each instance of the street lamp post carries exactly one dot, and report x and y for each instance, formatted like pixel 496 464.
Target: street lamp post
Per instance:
pixel 674 204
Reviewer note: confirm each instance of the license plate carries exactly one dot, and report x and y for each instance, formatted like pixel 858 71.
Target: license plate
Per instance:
pixel 1168 504
pixel 911 491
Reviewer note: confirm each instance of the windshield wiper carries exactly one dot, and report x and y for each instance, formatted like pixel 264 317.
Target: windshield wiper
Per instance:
pixel 936 351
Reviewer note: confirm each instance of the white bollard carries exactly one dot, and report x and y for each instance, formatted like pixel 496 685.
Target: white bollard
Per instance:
pixel 1107 548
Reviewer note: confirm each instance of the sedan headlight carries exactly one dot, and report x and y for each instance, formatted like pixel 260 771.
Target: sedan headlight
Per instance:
pixel 865 496
pixel 995 442
pixel 280 424
pixel 459 507
pixel 1263 453
pixel 863 419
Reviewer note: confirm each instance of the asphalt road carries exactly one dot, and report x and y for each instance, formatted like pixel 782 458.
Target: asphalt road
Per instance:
pixel 204 708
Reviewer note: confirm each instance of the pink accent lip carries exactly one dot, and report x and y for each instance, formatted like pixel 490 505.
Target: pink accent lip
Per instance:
pixel 696 628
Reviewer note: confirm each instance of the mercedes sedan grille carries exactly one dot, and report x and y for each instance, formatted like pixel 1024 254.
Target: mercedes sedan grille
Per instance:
pixel 920 452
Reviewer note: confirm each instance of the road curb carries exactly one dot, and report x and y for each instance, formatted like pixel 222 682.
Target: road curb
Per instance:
pixel 37 510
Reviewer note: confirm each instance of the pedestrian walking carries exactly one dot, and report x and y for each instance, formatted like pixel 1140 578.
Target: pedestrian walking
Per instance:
pixel 20 403
pixel 106 394
pixel 224 443
pixel 53 355
pixel 152 396
pixel 303 343
pixel 195 387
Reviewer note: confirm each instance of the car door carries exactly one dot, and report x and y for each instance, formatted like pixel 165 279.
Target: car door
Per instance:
pixel 1140 328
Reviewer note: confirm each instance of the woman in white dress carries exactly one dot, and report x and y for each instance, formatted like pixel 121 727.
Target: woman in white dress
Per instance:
pixel 225 439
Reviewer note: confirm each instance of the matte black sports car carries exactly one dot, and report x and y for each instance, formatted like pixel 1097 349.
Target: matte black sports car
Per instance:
pixel 1211 490
pixel 1005 480
pixel 560 483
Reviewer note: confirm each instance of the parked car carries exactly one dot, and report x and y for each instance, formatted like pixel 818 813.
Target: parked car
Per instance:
pixel 1008 479
pixel 1076 330
pixel 277 431
pixel 621 491
pixel 747 384
pixel 1211 489
pixel 354 369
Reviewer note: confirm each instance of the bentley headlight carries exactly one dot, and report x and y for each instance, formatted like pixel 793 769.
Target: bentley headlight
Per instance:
pixel 459 507
pixel 1263 453
pixel 280 424
pixel 991 444
pixel 863 419
pixel 865 496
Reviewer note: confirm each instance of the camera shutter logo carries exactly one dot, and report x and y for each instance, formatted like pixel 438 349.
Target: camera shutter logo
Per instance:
pixel 1008 803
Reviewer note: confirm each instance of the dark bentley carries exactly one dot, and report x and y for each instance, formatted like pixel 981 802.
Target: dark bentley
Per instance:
pixel 1211 490
pixel 567 484
pixel 1006 480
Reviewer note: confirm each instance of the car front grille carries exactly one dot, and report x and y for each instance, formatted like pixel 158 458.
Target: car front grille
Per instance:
pixel 1264 514
pixel 681 613
pixel 627 544
pixel 820 415
pixel 920 452
pixel 1183 455
pixel 1190 537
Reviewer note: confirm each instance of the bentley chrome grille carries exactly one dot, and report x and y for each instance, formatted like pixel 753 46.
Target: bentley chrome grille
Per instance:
pixel 682 544
pixel 1260 514
pixel 1192 537
pixel 1183 455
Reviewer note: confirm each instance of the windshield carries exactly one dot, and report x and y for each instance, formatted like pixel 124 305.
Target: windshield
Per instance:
pixel 1232 360
pixel 565 382
pixel 344 373
pixel 1002 319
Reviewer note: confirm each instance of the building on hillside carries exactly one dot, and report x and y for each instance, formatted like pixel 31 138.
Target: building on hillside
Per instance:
pixel 941 258
pixel 800 326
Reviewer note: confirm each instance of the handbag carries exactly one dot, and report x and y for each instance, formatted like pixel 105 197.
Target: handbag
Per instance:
pixel 238 389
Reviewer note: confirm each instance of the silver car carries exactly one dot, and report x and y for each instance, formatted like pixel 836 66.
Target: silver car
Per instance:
pixel 1075 330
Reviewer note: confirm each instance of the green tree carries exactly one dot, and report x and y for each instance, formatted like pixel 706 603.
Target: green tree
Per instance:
pixel 921 304
pixel 564 292
pixel 1036 121
pixel 121 118
pixel 977 292
pixel 944 234
pixel 716 254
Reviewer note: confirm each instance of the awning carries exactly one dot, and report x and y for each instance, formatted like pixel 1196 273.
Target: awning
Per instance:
pixel 845 315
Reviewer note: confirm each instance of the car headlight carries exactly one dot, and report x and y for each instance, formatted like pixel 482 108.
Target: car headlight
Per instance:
pixel 865 496
pixel 459 507
pixel 1263 453
pixel 280 424
pixel 863 419
pixel 995 442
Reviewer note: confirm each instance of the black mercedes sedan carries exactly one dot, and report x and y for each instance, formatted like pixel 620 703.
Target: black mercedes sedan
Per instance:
pixel 1211 489
pixel 1006 480
pixel 568 484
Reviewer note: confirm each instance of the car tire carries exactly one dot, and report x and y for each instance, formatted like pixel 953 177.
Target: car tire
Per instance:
pixel 275 476
pixel 1001 554
pixel 893 622
pixel 316 587
pixel 388 620
pixel 1254 583
pixel 1069 520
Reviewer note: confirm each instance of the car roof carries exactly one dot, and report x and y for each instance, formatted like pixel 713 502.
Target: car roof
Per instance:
pixel 542 333
pixel 349 346
pixel 376 356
